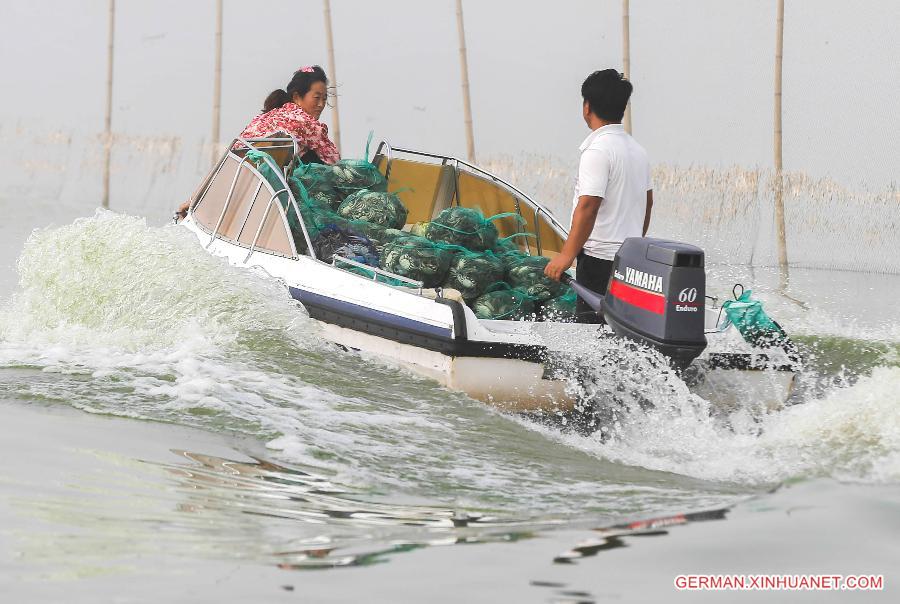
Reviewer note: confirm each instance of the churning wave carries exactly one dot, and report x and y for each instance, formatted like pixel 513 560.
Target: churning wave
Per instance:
pixel 852 433
pixel 115 316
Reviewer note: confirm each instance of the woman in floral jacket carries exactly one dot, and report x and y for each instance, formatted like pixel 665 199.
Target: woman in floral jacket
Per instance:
pixel 296 110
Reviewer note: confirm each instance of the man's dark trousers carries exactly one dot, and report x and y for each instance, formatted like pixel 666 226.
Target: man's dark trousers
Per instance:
pixel 594 274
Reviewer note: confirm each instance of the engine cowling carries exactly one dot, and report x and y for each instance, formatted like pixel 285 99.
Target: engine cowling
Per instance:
pixel 656 296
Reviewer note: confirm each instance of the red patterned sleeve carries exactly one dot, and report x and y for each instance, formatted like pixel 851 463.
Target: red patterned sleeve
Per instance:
pixel 313 134
pixel 309 132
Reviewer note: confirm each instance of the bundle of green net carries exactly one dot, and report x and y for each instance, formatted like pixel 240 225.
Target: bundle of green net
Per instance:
pixel 318 183
pixel 502 302
pixel 332 184
pixel 561 309
pixel 377 215
pixel 351 175
pixel 527 273
pixel 472 273
pixel 459 249
pixel 465 227
pixel 377 207
pixel 417 258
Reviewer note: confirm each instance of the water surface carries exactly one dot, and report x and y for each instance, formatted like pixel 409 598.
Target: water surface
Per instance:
pixel 165 406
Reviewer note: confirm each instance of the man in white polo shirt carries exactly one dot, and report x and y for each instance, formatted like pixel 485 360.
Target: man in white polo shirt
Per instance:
pixel 613 192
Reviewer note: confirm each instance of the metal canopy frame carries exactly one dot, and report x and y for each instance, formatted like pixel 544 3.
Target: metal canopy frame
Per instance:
pixel 241 144
pixel 384 149
pixel 540 212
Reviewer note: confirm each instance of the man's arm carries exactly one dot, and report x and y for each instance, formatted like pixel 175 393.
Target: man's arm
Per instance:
pixel 649 211
pixel 582 224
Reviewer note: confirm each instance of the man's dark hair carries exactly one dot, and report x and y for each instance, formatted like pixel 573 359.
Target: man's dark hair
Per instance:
pixel 606 93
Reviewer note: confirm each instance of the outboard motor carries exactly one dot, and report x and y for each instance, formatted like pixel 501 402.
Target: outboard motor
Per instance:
pixel 656 296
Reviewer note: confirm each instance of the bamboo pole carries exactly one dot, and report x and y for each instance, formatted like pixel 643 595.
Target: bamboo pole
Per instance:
pixel 779 176
pixel 626 58
pixel 217 87
pixel 329 37
pixel 464 71
pixel 107 122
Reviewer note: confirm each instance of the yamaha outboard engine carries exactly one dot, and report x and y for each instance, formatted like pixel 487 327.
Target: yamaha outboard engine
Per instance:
pixel 656 296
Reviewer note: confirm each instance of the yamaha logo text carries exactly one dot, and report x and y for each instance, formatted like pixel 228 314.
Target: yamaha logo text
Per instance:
pixel 641 279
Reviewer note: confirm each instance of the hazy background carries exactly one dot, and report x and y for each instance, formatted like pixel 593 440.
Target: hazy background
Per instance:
pixel 702 70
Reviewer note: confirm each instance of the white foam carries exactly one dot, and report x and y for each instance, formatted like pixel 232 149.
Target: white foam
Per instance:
pixel 852 433
pixel 113 316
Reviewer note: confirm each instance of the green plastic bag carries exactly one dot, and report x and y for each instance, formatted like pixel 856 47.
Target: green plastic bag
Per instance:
pixel 318 213
pixel 756 327
pixel 471 273
pixel 317 216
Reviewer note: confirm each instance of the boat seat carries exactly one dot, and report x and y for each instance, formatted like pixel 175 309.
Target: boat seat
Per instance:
pixel 280 145
pixel 424 188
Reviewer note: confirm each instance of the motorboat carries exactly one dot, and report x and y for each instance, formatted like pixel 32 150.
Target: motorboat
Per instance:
pixel 657 294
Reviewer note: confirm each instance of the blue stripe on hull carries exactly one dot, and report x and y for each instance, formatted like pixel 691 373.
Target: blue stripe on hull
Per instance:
pixel 368 314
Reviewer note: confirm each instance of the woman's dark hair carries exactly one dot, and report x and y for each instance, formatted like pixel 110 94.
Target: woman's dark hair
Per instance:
pixel 302 81
pixel 606 93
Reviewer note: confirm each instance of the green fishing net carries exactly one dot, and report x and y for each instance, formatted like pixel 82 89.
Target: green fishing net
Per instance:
pixel 317 212
pixel 343 242
pixel 465 227
pixel 351 175
pixel 385 236
pixel 417 258
pixel 377 207
pixel 317 216
pixel 473 273
pixel 504 302
pixel 527 273
pixel 748 316
pixel 378 234
pixel 348 212
pixel 318 181
pixel 561 308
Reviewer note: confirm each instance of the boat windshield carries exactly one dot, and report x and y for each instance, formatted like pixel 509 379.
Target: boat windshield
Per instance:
pixel 249 205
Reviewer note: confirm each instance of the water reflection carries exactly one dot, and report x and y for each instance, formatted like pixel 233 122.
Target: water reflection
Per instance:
pixel 330 526
pixel 613 537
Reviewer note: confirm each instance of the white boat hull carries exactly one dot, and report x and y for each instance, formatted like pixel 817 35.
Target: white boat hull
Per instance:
pixel 446 342
pixel 509 384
